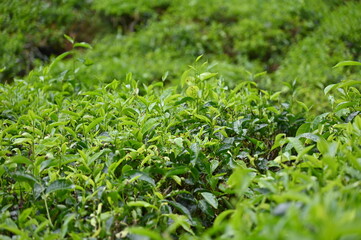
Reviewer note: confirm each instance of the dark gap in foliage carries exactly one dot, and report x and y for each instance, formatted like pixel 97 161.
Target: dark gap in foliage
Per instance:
pixel 135 21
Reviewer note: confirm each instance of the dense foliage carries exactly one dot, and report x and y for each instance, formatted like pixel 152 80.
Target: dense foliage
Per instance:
pixel 164 129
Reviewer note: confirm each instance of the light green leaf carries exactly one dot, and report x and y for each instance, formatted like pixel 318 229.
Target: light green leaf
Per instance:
pixel 347 63
pixel 70 39
pixel 83 45
pixel 145 232
pixel 303 105
pixel 260 74
pixel 141 204
pixel 296 144
pixel 22 140
pixel 203 118
pixel 93 124
pixel 222 216
pixel 56 60
pixel 199 57
pixel 240 179
pixel 149 124
pixel 14 230
pixel 178 142
pixel 185 77
pixel 207 75
pixel 329 88
pixel 20 160
pixel 310 136
pixel 279 141
pixel 210 198
pixel 192 91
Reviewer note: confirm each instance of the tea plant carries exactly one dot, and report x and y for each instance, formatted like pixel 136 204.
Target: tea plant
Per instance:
pixel 123 141
pixel 124 157
pixel 315 192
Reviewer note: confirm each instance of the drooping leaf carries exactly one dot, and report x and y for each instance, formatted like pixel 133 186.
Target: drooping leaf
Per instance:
pixel 60 185
pixel 83 45
pixel 347 63
pixel 25 177
pixel 20 160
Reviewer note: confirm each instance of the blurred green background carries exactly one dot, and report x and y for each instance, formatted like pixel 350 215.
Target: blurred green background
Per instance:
pixel 296 40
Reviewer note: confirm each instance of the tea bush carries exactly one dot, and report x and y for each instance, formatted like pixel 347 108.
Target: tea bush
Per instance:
pixel 315 194
pixel 137 155
pixel 130 138
pixel 299 40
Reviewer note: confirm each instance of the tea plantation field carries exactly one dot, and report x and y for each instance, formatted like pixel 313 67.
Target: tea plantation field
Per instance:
pixel 174 119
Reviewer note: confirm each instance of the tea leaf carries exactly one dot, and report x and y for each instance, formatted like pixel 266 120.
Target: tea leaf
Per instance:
pixel 59 185
pixel 347 63
pixel 211 199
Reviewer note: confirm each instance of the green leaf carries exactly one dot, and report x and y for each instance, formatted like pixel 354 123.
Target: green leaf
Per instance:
pixel 67 219
pixel 181 208
pixel 56 60
pixel 347 63
pixel 199 57
pixel 310 136
pixel 164 77
pixel 24 215
pixel 207 75
pixel 297 144
pixel 260 74
pixel 177 171
pixel 20 160
pixel 210 198
pixel 59 185
pixel 303 105
pixel 203 118
pixel 329 88
pixel 19 141
pixel 185 77
pixel 83 45
pixel 304 128
pixel 70 39
pixel 222 216
pixel 91 93
pixel 240 179
pixel 183 100
pixel 14 230
pixel 279 141
pixel 179 220
pixel 275 96
pixel 205 207
pixel 178 142
pixel 24 177
pixel 149 124
pixel 141 204
pixel 192 91
pixel 93 124
pixel 144 177
pixel 145 232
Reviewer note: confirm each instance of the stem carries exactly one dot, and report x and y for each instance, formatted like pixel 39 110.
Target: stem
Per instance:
pixel 47 211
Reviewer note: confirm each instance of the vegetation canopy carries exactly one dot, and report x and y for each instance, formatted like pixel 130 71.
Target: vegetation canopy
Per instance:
pixel 180 119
